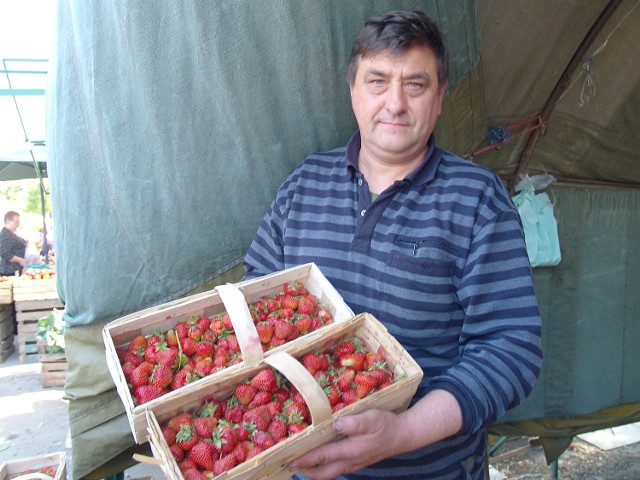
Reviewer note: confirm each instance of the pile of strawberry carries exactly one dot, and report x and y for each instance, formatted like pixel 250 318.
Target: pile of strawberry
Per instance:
pixel 50 470
pixel 157 364
pixel 267 409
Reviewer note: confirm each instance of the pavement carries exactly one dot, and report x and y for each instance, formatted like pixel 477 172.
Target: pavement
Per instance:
pixel 34 420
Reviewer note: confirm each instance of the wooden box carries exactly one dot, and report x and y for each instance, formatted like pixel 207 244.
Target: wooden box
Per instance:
pixel 27 315
pixel 272 463
pixel 27 290
pixel 54 367
pixel 6 332
pixel 6 290
pixel 233 299
pixel 14 468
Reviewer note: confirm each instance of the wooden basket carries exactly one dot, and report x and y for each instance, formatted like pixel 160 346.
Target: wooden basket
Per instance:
pixel 230 298
pixel 14 468
pixel 272 463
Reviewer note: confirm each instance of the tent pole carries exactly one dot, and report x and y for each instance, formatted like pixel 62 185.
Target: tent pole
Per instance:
pixel 561 86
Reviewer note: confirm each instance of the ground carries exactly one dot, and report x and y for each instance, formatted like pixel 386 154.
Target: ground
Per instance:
pixel 33 421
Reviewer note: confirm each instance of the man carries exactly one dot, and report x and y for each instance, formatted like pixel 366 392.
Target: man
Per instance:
pixel 428 243
pixel 12 246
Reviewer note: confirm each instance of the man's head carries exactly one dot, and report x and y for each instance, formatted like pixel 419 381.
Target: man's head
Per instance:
pixel 397 82
pixel 396 32
pixel 12 220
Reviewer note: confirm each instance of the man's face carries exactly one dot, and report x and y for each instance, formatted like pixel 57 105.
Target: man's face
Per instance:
pixel 396 100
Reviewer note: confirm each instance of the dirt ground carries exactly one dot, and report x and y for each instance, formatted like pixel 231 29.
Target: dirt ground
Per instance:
pixel 33 421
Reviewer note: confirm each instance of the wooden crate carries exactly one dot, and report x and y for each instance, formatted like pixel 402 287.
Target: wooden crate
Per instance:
pixel 6 332
pixel 272 463
pixel 27 290
pixel 14 468
pixel 54 367
pixel 6 290
pixel 230 298
pixel 27 315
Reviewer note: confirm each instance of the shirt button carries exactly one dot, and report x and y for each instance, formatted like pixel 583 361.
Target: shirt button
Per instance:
pixel 359 182
pixel 362 213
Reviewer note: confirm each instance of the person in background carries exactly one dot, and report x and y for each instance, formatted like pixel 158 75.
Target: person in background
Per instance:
pixel 12 246
pixel 428 243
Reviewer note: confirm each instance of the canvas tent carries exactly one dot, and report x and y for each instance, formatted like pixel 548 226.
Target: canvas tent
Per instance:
pixel 171 126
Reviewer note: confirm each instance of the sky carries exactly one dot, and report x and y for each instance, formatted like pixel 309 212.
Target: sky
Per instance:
pixel 26 32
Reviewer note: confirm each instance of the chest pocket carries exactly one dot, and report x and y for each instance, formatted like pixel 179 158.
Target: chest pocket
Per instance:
pixel 429 258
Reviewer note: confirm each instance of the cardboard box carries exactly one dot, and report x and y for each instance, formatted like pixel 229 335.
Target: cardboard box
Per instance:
pixel 272 463
pixel 14 468
pixel 233 299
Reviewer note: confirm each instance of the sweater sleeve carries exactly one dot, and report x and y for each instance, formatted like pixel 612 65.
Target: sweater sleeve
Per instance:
pixel 501 353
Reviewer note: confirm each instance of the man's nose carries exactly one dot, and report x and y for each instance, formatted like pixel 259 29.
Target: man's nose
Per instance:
pixel 396 99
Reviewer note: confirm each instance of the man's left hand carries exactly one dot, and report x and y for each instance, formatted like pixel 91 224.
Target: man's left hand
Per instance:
pixel 370 437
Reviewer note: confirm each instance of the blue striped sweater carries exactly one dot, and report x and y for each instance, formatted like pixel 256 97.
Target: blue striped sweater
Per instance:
pixel 439 257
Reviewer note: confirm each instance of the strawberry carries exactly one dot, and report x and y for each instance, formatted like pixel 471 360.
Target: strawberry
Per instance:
pixel 137 344
pixel 289 301
pixel 292 288
pixel 189 346
pixel 265 331
pixel 324 315
pixel 223 464
pixel 294 428
pixel 272 305
pixel 245 430
pixel 177 452
pixel 181 329
pixel 169 434
pixel 354 361
pixel 303 324
pixel 240 452
pixel 344 380
pixel 177 421
pixel 140 375
pixel 312 362
pixel 245 393
pixel 206 349
pixel 263 440
pixel 133 357
pixel 235 413
pixel 186 437
pixel 226 321
pixel 146 393
pixel 203 366
pixel 193 474
pixel 373 358
pixel 204 322
pixel 345 348
pixel 224 437
pixel 204 426
pixel 333 394
pixel 349 396
pixel 211 408
pixel 202 453
pixel 166 355
pixel 265 380
pixel 306 306
pixel 365 383
pixel 277 429
pixel 259 416
pixel 253 451
pixel 261 398
pixel 183 376
pixel 171 338
pixel 195 331
pixel 162 376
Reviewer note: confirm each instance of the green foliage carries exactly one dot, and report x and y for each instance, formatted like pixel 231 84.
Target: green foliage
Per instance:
pixel 50 332
pixel 34 201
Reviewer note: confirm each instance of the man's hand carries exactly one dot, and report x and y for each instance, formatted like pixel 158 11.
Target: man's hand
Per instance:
pixel 370 437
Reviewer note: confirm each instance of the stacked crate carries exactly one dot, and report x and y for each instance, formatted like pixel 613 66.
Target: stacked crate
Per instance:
pixel 33 299
pixel 49 463
pixel 6 318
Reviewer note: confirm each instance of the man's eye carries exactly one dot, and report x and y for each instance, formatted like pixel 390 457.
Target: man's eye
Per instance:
pixel 415 85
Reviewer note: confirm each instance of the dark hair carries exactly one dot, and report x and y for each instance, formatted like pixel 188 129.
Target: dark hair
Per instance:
pixel 10 215
pixel 397 31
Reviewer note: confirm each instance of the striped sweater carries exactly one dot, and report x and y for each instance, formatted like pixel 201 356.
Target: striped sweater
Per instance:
pixel 439 257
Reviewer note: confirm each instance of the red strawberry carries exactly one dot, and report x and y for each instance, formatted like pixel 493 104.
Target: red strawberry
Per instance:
pixel 177 452
pixel 277 429
pixel 345 348
pixel 203 366
pixel 272 305
pixel 306 306
pixel 195 331
pixel 206 349
pixel 259 416
pixel 333 394
pixel 204 322
pixel 189 346
pixel 183 376
pixel 349 396
pixel 140 375
pixel 240 452
pixel 166 355
pixel 288 301
pixel 253 451
pixel 180 419
pixel 224 437
pixel 146 393
pixel 204 426
pixel 137 344
pixel 226 321
pixel 354 361
pixel 211 408
pixel 171 338
pixel 245 393
pixel 365 383
pixel 312 362
pixel 263 440
pixel 265 331
pixel 373 358
pixel 162 376
pixel 194 474
pixel 261 398
pixel 181 329
pixel 202 453
pixel 303 324
pixel 169 435
pixel 265 380
pixel 294 428
pixel 292 288
pixel 223 464
pixel 245 430
pixel 133 357
pixel 235 413
pixel 345 379
pixel 186 437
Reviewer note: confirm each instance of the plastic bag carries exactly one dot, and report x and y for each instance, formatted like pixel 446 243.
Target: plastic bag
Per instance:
pixel 540 227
